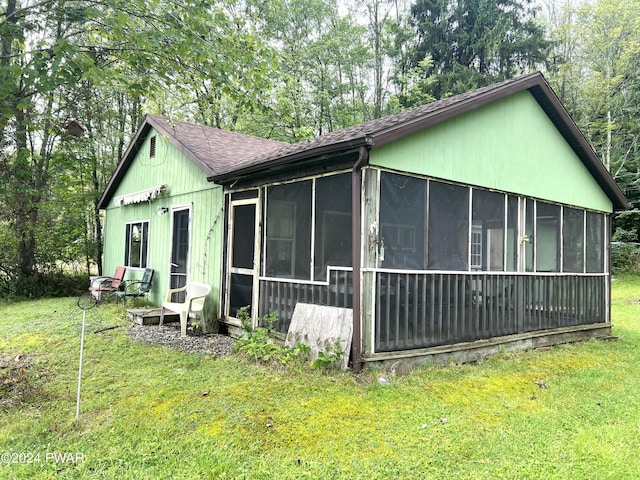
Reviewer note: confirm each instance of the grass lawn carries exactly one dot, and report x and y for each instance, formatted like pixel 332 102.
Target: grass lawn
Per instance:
pixel 149 412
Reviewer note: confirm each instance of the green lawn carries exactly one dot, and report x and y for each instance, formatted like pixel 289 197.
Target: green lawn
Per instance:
pixel 151 412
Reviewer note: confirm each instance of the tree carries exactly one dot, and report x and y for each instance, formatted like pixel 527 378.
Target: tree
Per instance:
pixel 323 66
pixel 473 43
pixel 612 53
pixel 38 56
pixel 596 74
pixel 99 62
pixel 594 69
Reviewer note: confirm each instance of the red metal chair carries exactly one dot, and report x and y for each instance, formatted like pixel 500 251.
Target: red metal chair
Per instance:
pixel 107 284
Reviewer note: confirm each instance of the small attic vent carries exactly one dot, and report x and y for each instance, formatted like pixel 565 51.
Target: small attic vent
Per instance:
pixel 152 147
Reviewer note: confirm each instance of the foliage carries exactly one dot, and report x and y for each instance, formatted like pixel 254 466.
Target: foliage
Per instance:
pixel 259 344
pixel 595 73
pixel 323 60
pixel 625 258
pixel 43 285
pixel 99 62
pixel 621 235
pixel 625 252
pixel 474 43
pixel 331 356
pixel 629 223
pixel 416 84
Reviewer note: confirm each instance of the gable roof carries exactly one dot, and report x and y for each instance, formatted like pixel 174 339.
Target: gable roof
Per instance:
pixel 381 131
pixel 224 156
pixel 212 150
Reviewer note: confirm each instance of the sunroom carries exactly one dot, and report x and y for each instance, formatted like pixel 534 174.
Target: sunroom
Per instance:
pixel 443 263
pixel 478 222
pixel 290 242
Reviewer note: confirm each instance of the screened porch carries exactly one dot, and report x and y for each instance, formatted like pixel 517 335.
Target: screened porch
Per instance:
pixel 442 263
pixel 423 309
pixel 453 263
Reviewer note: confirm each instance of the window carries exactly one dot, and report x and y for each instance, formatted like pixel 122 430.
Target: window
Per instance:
pixel 547 237
pixel 333 233
pixel 403 203
pixel 572 240
pixel 595 242
pixel 512 233
pixel 288 232
pixel 448 226
pixel 529 234
pixel 476 247
pixel 429 224
pixel 488 219
pixel 296 213
pixel 152 147
pixel 136 244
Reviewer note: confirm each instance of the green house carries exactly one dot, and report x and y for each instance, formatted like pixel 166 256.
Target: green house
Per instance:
pixel 475 223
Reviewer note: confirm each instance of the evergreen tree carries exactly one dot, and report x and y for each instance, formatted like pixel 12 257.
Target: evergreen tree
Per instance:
pixel 472 43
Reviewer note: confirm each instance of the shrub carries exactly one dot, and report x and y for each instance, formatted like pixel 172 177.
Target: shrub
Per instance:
pixel 625 257
pixel 41 285
pixel 331 357
pixel 259 343
pixel 625 252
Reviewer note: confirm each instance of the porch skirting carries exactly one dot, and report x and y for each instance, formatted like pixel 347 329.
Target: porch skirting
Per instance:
pixel 467 352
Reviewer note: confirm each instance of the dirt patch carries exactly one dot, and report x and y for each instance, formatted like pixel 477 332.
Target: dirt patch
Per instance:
pixel 169 336
pixel 15 379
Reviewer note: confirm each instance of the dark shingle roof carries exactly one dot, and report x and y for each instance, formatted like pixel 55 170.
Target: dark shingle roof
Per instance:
pixel 213 150
pixel 216 151
pixel 224 156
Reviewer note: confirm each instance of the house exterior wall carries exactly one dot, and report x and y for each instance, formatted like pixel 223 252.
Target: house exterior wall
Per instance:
pixel 510 145
pixel 187 187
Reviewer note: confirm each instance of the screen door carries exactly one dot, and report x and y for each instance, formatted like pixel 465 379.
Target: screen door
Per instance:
pixel 242 273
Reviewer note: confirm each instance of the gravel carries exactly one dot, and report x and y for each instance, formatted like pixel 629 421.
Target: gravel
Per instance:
pixel 169 335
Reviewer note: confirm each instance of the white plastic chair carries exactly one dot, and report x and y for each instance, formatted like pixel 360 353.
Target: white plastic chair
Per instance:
pixel 193 304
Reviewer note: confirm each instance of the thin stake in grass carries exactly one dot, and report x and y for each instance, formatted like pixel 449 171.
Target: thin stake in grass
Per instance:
pixel 85 302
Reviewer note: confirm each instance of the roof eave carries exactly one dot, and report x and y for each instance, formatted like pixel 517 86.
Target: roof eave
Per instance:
pixel 146 124
pixel 124 163
pixel 551 104
pixel 293 159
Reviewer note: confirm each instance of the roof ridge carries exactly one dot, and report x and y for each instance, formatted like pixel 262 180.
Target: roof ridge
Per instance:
pixel 172 122
pixel 391 121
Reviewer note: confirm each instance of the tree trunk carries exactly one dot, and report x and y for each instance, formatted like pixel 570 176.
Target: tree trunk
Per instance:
pixel 96 218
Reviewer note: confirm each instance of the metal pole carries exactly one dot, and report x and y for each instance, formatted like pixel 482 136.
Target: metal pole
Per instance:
pixel 84 317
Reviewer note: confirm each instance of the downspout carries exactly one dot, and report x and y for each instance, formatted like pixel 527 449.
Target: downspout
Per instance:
pixel 356 246
pixel 607 260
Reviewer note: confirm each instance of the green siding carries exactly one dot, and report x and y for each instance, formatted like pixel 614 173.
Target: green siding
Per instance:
pixel 187 185
pixel 510 145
